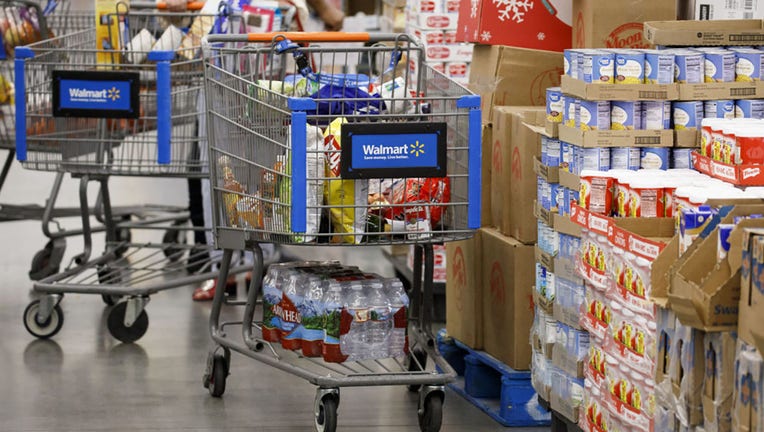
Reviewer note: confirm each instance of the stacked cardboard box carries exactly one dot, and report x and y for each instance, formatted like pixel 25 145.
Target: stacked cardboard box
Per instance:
pixel 434 22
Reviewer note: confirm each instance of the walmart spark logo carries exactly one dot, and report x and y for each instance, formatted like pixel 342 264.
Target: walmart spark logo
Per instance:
pixel 417 149
pixel 113 94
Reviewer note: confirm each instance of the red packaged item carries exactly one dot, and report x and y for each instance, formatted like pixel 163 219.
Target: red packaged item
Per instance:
pixel 596 192
pixel 421 197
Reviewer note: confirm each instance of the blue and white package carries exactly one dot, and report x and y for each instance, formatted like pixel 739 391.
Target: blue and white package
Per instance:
pixel 627 158
pixel 578 156
pixel 719 66
pixel 689 66
pixel 566 62
pixel 596 159
pixel 749 108
pixel 594 115
pixel 655 158
pixel 724 109
pixel 577 113
pixel 629 67
pixel 558 198
pixel 553 152
pixel 659 67
pixel 748 64
pixel 566 156
pixel 598 67
pixel 687 115
pixel 625 115
pixel 544 150
pixel 723 244
pixel 656 115
pixel 569 111
pixel 681 158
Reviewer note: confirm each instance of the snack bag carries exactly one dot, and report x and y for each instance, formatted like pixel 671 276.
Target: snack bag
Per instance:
pixel 340 194
pixel 230 199
pixel 421 194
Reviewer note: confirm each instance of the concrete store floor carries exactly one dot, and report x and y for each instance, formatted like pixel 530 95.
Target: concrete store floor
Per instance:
pixel 84 380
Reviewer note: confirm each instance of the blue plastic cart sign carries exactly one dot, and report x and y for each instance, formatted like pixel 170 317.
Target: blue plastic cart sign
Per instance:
pixel 96 94
pixel 377 150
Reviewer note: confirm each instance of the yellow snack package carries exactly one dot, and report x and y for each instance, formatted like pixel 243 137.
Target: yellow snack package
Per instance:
pixel 347 199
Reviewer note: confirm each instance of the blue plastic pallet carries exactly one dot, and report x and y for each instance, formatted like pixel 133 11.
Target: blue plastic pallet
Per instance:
pixel 503 393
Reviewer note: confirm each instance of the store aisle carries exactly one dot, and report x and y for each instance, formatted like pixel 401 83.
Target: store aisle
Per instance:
pixel 83 380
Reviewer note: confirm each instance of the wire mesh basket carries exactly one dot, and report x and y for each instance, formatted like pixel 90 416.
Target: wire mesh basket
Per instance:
pixel 308 154
pixel 131 107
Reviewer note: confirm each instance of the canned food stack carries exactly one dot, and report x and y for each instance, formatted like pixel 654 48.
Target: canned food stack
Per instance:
pixel 434 22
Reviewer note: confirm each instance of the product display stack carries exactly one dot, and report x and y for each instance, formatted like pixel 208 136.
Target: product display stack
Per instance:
pixel 434 23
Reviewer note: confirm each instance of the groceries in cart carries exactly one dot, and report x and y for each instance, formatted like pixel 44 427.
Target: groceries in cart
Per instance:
pixel 329 310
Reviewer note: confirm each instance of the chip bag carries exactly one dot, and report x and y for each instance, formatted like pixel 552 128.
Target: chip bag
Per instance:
pixel 422 195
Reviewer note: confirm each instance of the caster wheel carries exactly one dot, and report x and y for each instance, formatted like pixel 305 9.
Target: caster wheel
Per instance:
pixel 116 324
pixel 413 365
pixel 108 275
pixel 46 329
pixel 431 414
pixel 110 300
pixel 326 417
pixel 218 376
pixel 46 261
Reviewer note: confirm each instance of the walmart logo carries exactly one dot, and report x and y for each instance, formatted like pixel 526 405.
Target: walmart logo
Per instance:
pixel 87 94
pixel 113 93
pixel 416 149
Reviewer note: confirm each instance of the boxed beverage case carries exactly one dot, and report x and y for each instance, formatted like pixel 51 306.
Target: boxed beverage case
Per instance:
pixel 464 303
pixel 507 295
pixel 513 76
pixel 513 185
pixel 718 382
pixel 751 289
pixel 749 389
pixel 609 24
pixel 535 24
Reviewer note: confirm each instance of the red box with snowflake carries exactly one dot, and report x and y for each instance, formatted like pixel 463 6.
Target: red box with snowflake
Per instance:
pixel 535 24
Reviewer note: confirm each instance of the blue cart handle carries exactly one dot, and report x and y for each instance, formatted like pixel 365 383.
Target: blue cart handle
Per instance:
pixel 164 104
pixel 472 102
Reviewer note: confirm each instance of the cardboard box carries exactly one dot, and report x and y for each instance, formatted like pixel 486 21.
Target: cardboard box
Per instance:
pixel 508 277
pixel 507 76
pixel 534 24
pixel 665 327
pixel 561 224
pixel 513 183
pixel 718 382
pixel 749 389
pixel 751 295
pixel 548 173
pixel 705 33
pixel 618 92
pixel 616 24
pixel 716 91
pixel 485 190
pixel 705 292
pixel 727 9
pixel 741 175
pixel 448 53
pixel 464 303
pixel 687 138
pixel 687 372
pixel 617 138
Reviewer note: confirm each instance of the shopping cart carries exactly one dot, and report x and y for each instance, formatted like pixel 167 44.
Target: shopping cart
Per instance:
pixel 136 114
pixel 262 133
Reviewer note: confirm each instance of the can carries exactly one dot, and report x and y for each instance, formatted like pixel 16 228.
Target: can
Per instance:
pixel 659 67
pixel 578 159
pixel 749 108
pixel 577 113
pixel 655 158
pixel 629 67
pixel 689 66
pixel 554 104
pixel 719 109
pixel 729 145
pixel 749 145
pixel 719 66
pixel 575 66
pixel 596 159
pixel 594 115
pixel 569 111
pixel 625 158
pixel 656 115
pixel 599 67
pixel 596 192
pixel 625 115
pixel 566 62
pixel 566 156
pixel 687 115
pixel 748 64
pixel 681 158
pixel 646 199
pixel 544 150
pixel 553 152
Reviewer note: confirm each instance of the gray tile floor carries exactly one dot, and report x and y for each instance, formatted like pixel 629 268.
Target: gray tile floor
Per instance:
pixel 83 380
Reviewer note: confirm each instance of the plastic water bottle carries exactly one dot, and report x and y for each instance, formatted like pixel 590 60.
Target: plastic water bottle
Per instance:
pixel 399 303
pixel 333 302
pixel 293 296
pixel 380 324
pixel 355 341
pixel 311 315
pixel 271 304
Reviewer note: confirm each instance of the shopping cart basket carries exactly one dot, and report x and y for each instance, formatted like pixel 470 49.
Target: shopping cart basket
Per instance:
pixel 277 178
pixel 136 115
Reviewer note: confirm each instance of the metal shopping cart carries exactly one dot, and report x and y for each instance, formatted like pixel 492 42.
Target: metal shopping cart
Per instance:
pixel 276 179
pixel 135 114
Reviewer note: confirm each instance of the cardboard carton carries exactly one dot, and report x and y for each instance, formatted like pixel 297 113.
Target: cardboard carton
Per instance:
pixel 617 138
pixel 505 76
pixel 725 10
pixel 609 24
pixel 751 289
pixel 487 161
pixel 718 382
pixel 507 295
pixel 705 33
pixel 532 24
pixel 665 328
pixel 513 182
pixel 464 303
pixel 616 92
pixel 686 374
pixel 749 389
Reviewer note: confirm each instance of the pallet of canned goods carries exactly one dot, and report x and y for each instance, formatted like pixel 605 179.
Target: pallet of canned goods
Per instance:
pixel 313 154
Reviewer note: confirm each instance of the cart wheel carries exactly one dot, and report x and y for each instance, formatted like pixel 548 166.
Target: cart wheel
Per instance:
pixel 107 275
pixel 421 358
pixel 217 378
pixel 117 328
pixel 172 237
pixel 43 330
pixel 431 414
pixel 326 417
pixel 110 300
pixel 47 260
